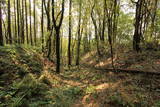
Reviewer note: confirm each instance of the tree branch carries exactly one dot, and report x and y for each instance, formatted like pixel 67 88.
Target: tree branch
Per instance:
pixel 133 2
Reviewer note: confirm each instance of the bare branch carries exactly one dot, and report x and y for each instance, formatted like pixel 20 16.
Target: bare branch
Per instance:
pixel 133 2
pixel 58 15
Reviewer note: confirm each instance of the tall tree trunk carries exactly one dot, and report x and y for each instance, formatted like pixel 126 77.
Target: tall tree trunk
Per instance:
pixel 1 33
pixel 35 35
pixel 9 23
pixel 26 14
pixel 30 13
pixel 110 34
pixel 58 51
pixel 42 28
pixel 47 10
pixel 154 17
pixel 112 18
pixel 22 23
pixel 79 33
pixel 15 22
pixel 49 28
pixel 104 26
pixel 61 44
pixel 137 32
pixel 96 31
pixel 70 33
pixel 18 21
pixel 57 30
pixel 115 19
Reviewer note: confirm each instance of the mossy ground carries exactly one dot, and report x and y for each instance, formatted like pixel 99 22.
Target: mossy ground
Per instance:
pixel 29 80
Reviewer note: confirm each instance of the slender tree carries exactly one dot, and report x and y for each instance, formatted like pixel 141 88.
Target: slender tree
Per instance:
pixel 26 17
pixel 22 22
pixel 57 26
pixel 18 21
pixel 42 28
pixel 96 30
pixel 15 22
pixel 112 10
pixel 49 28
pixel 1 33
pixel 30 13
pixel 47 10
pixel 79 32
pixel 9 22
pixel 137 33
pixel 35 34
pixel 5 30
pixel 70 32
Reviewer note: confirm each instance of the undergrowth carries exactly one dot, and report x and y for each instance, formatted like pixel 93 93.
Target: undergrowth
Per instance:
pixel 25 82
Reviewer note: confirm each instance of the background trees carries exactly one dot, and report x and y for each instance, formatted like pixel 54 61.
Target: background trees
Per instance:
pixel 88 25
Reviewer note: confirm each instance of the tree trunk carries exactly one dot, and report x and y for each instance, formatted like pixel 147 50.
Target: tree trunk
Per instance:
pixel 15 22
pixel 26 11
pixel 79 33
pixel 137 32
pixel 18 21
pixel 30 13
pixel 1 33
pixel 57 30
pixel 42 28
pixel 49 28
pixel 22 24
pixel 35 35
pixel 70 33
pixel 96 31
pixel 9 23
pixel 58 50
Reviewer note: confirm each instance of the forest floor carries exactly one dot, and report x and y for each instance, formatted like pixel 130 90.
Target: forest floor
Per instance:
pixel 29 80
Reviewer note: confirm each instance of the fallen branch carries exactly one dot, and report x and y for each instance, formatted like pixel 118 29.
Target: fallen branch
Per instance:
pixel 128 71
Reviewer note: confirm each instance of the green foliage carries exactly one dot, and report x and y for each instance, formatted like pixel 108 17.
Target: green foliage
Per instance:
pixel 73 91
pixel 65 96
pixel 45 80
pixel 118 101
pixel 20 87
pixel 125 27
pixel 97 77
pixel 157 104
pixel 90 89
pixel 28 91
pixel 19 60
pixel 35 67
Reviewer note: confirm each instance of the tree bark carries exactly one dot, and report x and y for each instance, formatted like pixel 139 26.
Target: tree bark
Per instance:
pixel 49 28
pixel 79 33
pixel 9 23
pixel 26 14
pixel 137 32
pixel 42 28
pixel 35 33
pixel 22 23
pixel 1 33
pixel 57 28
pixel 96 31
pixel 70 33
pixel 30 13
pixel 18 21
pixel 15 23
